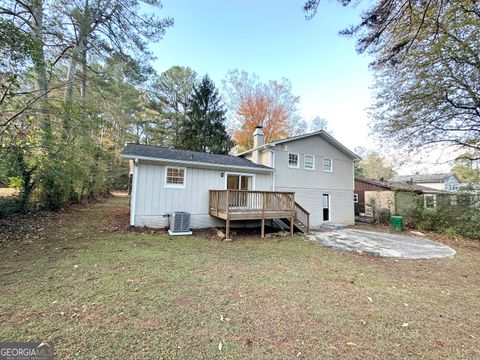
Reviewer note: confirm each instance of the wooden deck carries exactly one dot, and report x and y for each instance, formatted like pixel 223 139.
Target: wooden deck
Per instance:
pixel 257 205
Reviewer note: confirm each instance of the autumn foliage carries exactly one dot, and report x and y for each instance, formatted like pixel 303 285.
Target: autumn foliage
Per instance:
pixel 270 105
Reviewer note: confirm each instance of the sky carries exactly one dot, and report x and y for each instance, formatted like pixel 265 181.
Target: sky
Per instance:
pixel 272 39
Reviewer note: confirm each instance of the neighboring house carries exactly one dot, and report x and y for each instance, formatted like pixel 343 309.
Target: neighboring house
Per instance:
pixel 394 196
pixel 448 182
pixel 307 179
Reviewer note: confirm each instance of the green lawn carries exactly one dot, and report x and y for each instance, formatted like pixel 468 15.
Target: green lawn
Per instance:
pixel 97 290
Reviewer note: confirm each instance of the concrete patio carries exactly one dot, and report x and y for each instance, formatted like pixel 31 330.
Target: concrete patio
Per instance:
pixel 382 244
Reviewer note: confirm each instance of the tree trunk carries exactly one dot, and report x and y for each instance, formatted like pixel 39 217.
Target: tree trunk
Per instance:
pixel 83 88
pixel 38 59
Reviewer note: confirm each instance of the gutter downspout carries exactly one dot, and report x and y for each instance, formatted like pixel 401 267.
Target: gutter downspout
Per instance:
pixel 133 196
pixel 272 165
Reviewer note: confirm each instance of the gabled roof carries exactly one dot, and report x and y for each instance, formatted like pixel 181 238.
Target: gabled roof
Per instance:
pixel 423 178
pixel 399 186
pixel 159 153
pixel 323 134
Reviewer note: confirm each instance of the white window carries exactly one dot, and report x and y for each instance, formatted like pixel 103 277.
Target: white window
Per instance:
pixel 309 162
pixel 293 160
pixel 355 198
pixel 175 177
pixel 430 201
pixel 454 200
pixel 327 165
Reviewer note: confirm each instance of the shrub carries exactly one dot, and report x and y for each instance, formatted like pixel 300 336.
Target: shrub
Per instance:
pixel 460 218
pixel 384 216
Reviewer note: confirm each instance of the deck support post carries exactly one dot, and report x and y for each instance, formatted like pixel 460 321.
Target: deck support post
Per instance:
pixel 293 214
pixel 227 229
pixel 264 203
pixel 227 215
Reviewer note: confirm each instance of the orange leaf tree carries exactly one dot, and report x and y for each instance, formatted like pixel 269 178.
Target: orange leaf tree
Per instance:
pixel 252 103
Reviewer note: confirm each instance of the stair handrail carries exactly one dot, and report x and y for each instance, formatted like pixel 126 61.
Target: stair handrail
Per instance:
pixel 299 209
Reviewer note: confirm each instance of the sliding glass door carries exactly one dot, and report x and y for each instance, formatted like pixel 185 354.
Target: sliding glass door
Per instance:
pixel 239 182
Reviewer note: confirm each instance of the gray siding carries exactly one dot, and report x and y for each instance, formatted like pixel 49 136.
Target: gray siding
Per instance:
pixel 154 201
pixel 310 185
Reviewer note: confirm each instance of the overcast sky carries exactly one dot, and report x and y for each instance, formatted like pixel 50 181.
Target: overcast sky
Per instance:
pixel 272 39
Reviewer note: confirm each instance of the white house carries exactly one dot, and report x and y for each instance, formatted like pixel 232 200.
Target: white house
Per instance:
pixel 307 179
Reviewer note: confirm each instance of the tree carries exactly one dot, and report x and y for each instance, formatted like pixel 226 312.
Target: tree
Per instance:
pixel 59 139
pixel 270 105
pixel 358 170
pixel 373 165
pixel 468 171
pixel 103 27
pixel 171 93
pixel 318 123
pixel 204 130
pixel 384 19
pixel 432 96
pixel 427 69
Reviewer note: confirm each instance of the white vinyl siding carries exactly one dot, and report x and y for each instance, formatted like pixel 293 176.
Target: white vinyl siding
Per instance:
pixel 154 202
pixel 309 162
pixel 293 160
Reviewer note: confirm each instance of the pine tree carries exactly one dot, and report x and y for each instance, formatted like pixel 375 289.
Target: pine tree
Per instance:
pixel 204 129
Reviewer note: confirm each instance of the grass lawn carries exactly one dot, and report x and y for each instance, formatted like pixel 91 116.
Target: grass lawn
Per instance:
pixel 98 290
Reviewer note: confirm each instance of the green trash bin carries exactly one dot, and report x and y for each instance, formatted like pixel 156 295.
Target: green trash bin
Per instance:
pixel 397 222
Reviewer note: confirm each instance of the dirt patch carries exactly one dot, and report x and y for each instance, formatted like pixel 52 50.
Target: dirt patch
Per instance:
pixel 146 230
pixel 118 219
pixel 35 226
pixel 237 234
pixel 182 301
pixel 160 281
pixel 208 233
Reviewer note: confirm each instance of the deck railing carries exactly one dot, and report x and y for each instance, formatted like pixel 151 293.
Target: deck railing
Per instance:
pixel 245 205
pixel 251 203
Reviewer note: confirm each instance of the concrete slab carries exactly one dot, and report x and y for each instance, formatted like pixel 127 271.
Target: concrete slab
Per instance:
pixel 382 244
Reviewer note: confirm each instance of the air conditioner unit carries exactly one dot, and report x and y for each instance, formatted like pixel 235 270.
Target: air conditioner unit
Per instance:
pixel 180 223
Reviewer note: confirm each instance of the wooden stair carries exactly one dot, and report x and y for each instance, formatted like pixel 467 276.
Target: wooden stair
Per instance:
pixel 301 221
